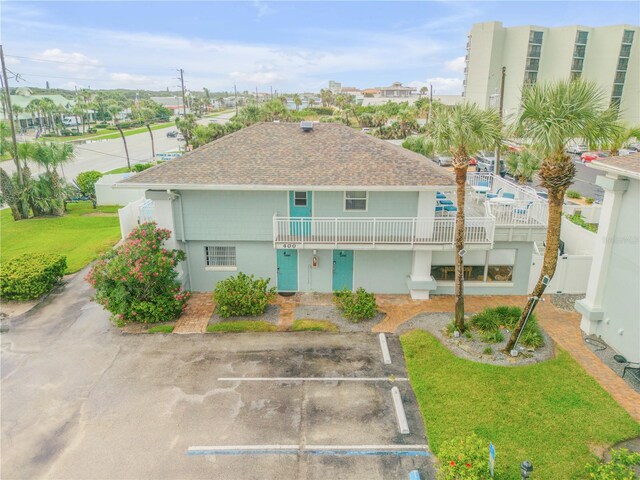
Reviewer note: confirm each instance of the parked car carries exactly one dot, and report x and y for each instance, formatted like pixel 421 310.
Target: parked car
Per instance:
pixel 366 130
pixel 172 133
pixel 635 146
pixel 588 157
pixel 442 160
pixel 625 151
pixel 486 161
pixel 180 137
pixel 577 148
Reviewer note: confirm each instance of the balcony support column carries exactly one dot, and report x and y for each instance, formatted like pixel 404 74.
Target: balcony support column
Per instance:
pixel 420 281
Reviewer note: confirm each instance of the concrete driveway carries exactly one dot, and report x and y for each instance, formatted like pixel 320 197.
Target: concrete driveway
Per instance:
pixel 80 400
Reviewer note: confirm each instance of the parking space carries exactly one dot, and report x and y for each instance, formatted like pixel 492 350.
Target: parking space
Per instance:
pixel 92 403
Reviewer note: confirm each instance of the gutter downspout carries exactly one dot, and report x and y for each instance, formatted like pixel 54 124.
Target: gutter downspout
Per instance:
pixel 183 239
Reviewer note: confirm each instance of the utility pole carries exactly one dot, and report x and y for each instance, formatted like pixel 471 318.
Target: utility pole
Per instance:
pixel 184 102
pixel 496 167
pixel 430 102
pixel 271 87
pixel 10 114
pixel 235 94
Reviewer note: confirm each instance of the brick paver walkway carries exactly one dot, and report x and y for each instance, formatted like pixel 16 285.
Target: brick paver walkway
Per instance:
pixel 196 316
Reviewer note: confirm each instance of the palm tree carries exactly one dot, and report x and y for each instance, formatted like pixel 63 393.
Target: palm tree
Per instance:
pixel 380 118
pixel 551 115
pixel 51 156
pixel 423 91
pixel 187 124
pixel 326 96
pixel 17 110
pixel 522 166
pixel 463 130
pixel 297 101
pixel 621 138
pixel 311 102
pixel 114 108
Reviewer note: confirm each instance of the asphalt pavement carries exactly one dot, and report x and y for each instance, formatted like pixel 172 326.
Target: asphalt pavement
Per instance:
pixel 81 400
pixel 106 155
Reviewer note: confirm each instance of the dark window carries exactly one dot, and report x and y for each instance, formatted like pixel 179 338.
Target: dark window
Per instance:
pixel 220 256
pixel 300 199
pixel 530 77
pixel 577 64
pixel 534 51
pixel 625 50
pixel 615 102
pixel 581 37
pixel 355 201
pixel 499 273
pixel 532 64
pixel 579 51
pixel 622 64
pixel 620 77
pixel 617 90
pixel 535 37
pixel 575 75
pixel 627 37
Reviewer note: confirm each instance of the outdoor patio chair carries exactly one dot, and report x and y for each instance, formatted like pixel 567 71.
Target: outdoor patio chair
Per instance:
pixel 634 367
pixel 445 202
pixel 494 195
pixel 450 208
pixel 509 195
pixel 440 195
pixel 483 184
pixel 524 210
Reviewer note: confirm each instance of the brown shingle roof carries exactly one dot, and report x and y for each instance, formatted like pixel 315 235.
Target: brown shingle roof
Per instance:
pixel 275 155
pixel 626 164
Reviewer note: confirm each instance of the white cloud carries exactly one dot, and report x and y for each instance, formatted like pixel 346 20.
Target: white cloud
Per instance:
pixel 129 79
pixel 68 61
pixel 263 8
pixel 456 65
pixel 441 85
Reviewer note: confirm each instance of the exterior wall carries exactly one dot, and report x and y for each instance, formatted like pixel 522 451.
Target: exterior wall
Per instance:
pixel 382 271
pixel 379 204
pixel 492 46
pixel 620 327
pixel 107 195
pixel 256 258
pixel 519 285
pixel 318 279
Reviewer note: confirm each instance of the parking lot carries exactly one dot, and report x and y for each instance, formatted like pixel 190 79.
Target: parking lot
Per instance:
pixel 81 400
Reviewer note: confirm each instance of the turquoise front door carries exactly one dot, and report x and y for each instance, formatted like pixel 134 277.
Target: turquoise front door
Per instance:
pixel 342 269
pixel 300 211
pixel 287 270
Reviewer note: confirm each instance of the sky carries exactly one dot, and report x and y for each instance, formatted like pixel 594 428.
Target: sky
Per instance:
pixel 287 46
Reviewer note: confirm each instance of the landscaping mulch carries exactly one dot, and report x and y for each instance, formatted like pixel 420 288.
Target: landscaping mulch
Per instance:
pixel 332 314
pixel 472 349
pixel 566 301
pixel 270 315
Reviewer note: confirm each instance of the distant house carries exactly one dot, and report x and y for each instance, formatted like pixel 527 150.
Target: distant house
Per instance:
pixel 396 89
pixel 23 97
pixel 327 207
pixel 611 308
pixel 173 103
pixel 371 92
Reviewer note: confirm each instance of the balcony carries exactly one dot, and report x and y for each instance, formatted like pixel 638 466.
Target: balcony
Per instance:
pixel 382 233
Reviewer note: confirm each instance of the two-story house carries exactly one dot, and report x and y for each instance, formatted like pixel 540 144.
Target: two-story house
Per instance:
pixel 319 207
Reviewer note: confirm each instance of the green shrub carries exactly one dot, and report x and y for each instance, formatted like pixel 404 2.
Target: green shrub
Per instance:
pixel 356 306
pixel 101 125
pixel 139 167
pixel 242 295
pixel 490 320
pixel 488 351
pixel 161 329
pixel 573 194
pixel 321 110
pixel 86 182
pixel 308 325
pixel 624 465
pixel 137 281
pixel 492 336
pixel 31 275
pixel 242 326
pixel 579 220
pixel 464 458
pixel 589 200
pixel 451 329
pixel 92 130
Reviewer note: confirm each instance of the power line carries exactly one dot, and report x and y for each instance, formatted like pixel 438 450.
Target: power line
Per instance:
pixel 57 61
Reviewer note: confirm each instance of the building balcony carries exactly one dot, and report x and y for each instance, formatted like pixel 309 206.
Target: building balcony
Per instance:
pixel 381 233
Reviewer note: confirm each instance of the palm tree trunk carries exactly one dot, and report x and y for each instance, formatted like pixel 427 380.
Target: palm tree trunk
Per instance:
pixel 556 198
pixel 126 150
pixel 461 179
pixel 153 148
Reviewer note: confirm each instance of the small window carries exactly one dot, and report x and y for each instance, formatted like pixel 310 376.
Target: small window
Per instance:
pixel 532 64
pixel 579 51
pixel 530 77
pixel 535 37
pixel 625 50
pixel 534 51
pixel 617 90
pixel 575 75
pixel 620 77
pixel 220 257
pixel 581 37
pixel 300 199
pixel 577 64
pixel 623 63
pixel 627 37
pixel 355 201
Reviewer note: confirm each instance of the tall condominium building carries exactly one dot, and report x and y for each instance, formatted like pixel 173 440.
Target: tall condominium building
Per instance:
pixel 608 56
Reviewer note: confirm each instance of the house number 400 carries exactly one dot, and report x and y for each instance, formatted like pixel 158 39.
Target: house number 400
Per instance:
pixel 290 245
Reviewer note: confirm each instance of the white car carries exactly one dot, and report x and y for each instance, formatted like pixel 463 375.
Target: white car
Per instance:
pixel 180 137
pixel 577 149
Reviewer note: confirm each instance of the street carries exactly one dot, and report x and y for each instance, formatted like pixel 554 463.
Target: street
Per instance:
pixel 106 155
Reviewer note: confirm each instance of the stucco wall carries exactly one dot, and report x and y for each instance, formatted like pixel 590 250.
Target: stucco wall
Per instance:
pixel 107 195
pixel 382 271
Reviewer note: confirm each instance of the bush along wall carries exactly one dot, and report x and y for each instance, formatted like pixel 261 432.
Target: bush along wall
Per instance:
pixel 137 281
pixel 31 275
pixel 356 306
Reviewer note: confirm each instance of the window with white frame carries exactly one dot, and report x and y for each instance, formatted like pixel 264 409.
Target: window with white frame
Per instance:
pixel 300 199
pixel 220 257
pixel 479 266
pixel 355 201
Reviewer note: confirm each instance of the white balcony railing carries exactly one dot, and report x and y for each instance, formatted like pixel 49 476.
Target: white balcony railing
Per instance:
pixel 378 231
pixel 527 209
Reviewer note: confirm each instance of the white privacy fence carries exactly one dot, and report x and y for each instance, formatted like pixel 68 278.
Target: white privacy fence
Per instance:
pixel 378 230
pixel 135 213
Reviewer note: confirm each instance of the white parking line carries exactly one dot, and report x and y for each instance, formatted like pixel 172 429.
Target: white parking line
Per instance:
pixel 313 379
pixel 386 357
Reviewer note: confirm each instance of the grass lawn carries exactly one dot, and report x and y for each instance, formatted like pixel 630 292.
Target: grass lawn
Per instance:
pixel 118 170
pixel 550 413
pixel 82 234
pixel 242 326
pixel 309 325
pixel 161 329
pixel 106 134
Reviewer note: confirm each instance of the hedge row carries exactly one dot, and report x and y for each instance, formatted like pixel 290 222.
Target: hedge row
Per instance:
pixel 31 275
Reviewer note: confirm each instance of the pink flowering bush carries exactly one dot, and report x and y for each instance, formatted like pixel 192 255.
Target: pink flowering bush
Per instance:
pixel 464 458
pixel 136 281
